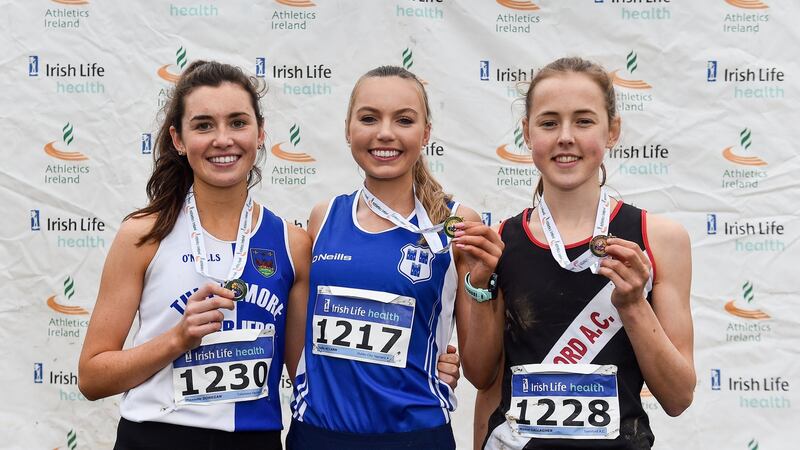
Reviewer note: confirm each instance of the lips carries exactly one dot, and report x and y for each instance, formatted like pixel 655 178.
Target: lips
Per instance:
pixel 224 159
pixel 385 153
pixel 565 158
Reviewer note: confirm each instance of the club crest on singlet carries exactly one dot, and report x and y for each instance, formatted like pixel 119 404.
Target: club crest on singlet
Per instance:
pixel 263 260
pixel 415 263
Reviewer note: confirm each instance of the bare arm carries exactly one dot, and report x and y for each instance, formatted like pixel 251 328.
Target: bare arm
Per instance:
pixel 300 246
pixel 661 335
pixel 486 401
pixel 104 368
pixel 480 325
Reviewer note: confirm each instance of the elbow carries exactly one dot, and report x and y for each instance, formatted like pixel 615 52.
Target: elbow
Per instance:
pixel 679 404
pixel 87 391
pixel 481 379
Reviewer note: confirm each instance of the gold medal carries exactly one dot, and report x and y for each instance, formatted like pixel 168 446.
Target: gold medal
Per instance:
pixel 238 287
pixel 598 245
pixel 450 226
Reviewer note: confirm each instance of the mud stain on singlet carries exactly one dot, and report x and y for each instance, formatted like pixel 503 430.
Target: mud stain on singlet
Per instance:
pixel 520 318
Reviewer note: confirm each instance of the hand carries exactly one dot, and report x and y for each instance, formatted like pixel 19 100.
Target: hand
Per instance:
pixel 448 366
pixel 202 315
pixel 628 268
pixel 483 248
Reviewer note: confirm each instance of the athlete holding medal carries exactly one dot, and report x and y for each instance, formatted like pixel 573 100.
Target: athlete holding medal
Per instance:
pixel 218 283
pixel 386 286
pixel 594 292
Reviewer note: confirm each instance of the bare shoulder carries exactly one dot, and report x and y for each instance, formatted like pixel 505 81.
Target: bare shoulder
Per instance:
pixel 467 213
pixel 130 233
pixel 665 232
pixel 316 217
pixel 299 240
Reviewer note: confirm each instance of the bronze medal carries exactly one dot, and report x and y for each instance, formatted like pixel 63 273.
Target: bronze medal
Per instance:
pixel 238 287
pixel 450 226
pixel 598 245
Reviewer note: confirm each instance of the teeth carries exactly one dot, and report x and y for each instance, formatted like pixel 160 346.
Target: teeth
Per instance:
pixel 223 159
pixel 385 153
pixel 566 158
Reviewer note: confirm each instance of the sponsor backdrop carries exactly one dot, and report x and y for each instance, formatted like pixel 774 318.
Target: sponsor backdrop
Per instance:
pixel 705 93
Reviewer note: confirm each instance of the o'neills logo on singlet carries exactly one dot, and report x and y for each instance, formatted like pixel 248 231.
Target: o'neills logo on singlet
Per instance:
pixel 331 257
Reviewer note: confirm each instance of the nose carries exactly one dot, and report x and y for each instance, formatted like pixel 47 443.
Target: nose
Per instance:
pixel 223 138
pixel 565 136
pixel 385 132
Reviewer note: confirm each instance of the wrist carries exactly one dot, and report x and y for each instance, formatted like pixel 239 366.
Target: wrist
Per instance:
pixel 481 294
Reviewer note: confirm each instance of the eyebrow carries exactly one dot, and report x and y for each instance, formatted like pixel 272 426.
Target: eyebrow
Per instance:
pixel 580 111
pixel 399 111
pixel 208 117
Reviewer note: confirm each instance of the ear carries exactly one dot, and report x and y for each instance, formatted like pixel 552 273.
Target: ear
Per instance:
pixel 525 126
pixel 347 131
pixel 262 136
pixel 176 138
pixel 426 136
pixel 614 129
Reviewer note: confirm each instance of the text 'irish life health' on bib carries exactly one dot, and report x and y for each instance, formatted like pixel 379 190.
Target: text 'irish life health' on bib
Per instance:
pixel 363 325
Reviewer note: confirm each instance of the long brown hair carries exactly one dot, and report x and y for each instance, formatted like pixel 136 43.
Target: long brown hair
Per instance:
pixel 172 176
pixel 429 191
pixel 577 65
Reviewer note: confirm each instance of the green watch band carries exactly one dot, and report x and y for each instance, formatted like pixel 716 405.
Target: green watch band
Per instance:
pixel 481 295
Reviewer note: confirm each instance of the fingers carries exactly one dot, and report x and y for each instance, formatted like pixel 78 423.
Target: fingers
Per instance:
pixel 628 251
pixel 448 367
pixel 451 348
pixel 200 301
pixel 479 241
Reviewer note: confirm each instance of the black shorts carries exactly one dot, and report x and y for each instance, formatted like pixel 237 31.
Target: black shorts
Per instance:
pixel 157 436
pixel 303 436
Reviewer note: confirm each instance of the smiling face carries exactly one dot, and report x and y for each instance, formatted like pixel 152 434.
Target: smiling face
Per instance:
pixel 568 130
pixel 387 127
pixel 219 134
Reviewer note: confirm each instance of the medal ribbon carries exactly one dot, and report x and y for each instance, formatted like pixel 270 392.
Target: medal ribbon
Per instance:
pixel 587 260
pixel 429 231
pixel 197 238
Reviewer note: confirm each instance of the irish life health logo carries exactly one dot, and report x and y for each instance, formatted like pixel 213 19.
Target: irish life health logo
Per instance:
pixel 66 14
pixel 420 9
pixel 632 93
pixel 636 11
pixel 307 80
pixel 292 167
pixel 755 391
pixel 518 17
pixel 517 168
pixel 71 232
pixel 746 16
pixel 748 81
pixel 71 171
pixel 71 78
pixel 751 167
pixel 749 235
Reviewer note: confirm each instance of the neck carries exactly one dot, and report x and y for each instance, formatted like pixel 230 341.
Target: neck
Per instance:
pixel 396 193
pixel 220 208
pixel 574 208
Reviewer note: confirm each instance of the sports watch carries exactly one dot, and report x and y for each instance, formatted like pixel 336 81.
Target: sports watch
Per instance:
pixel 482 295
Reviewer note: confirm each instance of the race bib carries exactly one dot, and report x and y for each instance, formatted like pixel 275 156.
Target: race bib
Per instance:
pixel 228 366
pixel 361 325
pixel 576 401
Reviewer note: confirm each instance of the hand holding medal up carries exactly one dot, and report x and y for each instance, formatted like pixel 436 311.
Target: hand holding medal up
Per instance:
pixel 202 315
pixel 627 267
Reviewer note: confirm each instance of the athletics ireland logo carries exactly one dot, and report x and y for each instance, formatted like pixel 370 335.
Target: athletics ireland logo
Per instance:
pixel 69 292
pixel 263 260
pixel 67 136
pixel 745 141
pixel 180 63
pixel 631 63
pixel 518 152
pixel 746 313
pixel 294 138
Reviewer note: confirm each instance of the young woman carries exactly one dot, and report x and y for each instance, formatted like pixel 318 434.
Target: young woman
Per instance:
pixel 385 286
pixel 218 283
pixel 595 292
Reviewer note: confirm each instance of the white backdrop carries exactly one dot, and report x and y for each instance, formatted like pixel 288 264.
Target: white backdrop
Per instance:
pixel 709 140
